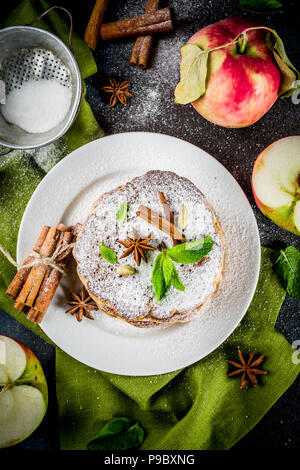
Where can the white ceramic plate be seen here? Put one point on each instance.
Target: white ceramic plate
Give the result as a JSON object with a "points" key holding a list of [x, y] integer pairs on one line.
{"points": [[66, 194]]}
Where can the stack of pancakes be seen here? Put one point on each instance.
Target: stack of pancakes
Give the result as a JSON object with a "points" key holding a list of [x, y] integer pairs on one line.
{"points": [[132, 298]]}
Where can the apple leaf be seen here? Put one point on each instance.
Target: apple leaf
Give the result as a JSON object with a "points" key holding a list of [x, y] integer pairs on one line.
{"points": [[118, 434], [288, 269], [289, 73], [193, 72], [262, 7]]}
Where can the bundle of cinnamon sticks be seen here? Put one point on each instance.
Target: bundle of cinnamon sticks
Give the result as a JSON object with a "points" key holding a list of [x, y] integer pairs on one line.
{"points": [[154, 20], [33, 287]]}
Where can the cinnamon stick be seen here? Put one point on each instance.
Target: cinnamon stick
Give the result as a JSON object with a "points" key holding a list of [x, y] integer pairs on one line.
{"points": [[35, 278], [159, 222], [92, 32], [65, 228], [19, 280], [49, 284], [143, 44], [33, 315], [21, 307], [168, 213], [149, 23]]}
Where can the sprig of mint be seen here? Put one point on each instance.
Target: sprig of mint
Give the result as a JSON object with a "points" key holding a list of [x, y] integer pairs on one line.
{"points": [[194, 67], [108, 254], [122, 212], [288, 269], [262, 7], [164, 273], [118, 434]]}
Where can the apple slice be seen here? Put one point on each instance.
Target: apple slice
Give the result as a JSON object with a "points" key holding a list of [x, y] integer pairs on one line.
{"points": [[13, 358], [22, 409], [276, 183], [6, 406], [23, 392]]}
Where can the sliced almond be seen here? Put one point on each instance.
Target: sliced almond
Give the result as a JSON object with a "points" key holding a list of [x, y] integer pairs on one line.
{"points": [[183, 218]]}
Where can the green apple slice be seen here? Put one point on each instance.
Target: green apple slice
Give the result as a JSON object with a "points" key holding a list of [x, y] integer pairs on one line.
{"points": [[22, 409], [12, 360], [297, 216], [23, 391], [3, 376], [6, 405], [276, 183]]}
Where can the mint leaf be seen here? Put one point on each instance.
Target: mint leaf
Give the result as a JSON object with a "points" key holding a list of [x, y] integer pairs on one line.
{"points": [[118, 434], [158, 278], [122, 212], [288, 269], [108, 254], [171, 275], [262, 6], [193, 72], [288, 71], [176, 281], [191, 252], [164, 275], [168, 268]]}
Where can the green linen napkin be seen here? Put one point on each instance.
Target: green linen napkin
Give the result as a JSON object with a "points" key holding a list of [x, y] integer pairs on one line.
{"points": [[195, 408]]}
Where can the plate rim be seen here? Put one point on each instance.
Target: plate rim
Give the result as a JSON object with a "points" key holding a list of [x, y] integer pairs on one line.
{"points": [[64, 161]]}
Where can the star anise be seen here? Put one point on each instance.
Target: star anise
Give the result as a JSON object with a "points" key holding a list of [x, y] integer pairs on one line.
{"points": [[248, 369], [137, 246], [118, 91], [82, 305]]}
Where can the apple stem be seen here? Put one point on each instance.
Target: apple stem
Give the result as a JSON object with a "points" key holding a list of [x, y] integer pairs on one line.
{"points": [[240, 40], [241, 45]]}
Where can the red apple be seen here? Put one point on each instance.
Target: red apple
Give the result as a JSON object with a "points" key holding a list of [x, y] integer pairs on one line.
{"points": [[23, 392], [240, 87], [276, 183]]}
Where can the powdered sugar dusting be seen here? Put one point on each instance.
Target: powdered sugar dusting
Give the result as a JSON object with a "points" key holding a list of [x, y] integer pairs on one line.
{"points": [[133, 296]]}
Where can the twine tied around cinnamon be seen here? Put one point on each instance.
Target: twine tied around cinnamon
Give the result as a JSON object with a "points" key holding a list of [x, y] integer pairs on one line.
{"points": [[60, 252]]}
